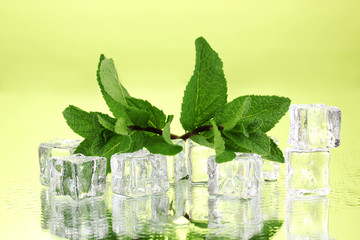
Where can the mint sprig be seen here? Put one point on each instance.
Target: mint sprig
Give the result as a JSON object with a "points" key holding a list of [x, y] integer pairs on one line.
{"points": [[207, 118]]}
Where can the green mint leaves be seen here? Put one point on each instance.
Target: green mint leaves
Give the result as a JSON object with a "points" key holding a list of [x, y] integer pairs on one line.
{"points": [[206, 91], [207, 118]]}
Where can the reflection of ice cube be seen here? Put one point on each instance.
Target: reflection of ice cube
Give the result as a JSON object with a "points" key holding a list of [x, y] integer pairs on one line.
{"points": [[197, 156], [270, 169], [54, 148], [78, 219], [234, 219], [240, 177], [314, 126], [177, 166], [307, 218], [137, 217], [138, 174], [198, 203], [182, 192], [270, 201], [307, 171], [45, 199], [78, 176]]}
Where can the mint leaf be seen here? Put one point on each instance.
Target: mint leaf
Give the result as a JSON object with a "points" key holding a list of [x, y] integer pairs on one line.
{"points": [[202, 140], [156, 116], [137, 141], [166, 132], [219, 144], [230, 113], [110, 81], [222, 155], [276, 154], [107, 147], [269, 109], [239, 128], [232, 146], [138, 117], [106, 121], [84, 147], [254, 126], [225, 156], [257, 142], [121, 127], [158, 145], [83, 123], [115, 107], [206, 91]]}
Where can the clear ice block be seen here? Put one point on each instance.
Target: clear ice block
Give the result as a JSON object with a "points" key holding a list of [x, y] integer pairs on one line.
{"points": [[314, 126], [177, 166], [54, 148], [239, 178], [307, 218], [270, 169], [197, 156], [234, 219], [307, 171], [134, 218], [85, 219], [77, 176], [138, 174]]}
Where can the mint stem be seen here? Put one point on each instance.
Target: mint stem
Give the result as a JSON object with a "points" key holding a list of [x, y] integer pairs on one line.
{"points": [[173, 136]]}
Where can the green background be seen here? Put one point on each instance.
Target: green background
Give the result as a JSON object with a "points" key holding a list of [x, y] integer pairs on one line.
{"points": [[306, 50]]}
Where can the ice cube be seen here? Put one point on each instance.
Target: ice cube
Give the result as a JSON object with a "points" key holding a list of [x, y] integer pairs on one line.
{"points": [[135, 217], [177, 166], [307, 218], [197, 156], [85, 219], [239, 178], [138, 174], [307, 171], [314, 126], [77, 176], [234, 219], [54, 148], [270, 169]]}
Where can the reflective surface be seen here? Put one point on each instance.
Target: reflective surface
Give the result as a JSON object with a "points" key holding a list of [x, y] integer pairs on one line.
{"points": [[186, 211]]}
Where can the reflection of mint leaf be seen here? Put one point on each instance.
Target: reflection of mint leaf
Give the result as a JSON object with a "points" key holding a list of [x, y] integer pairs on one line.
{"points": [[156, 116], [110, 81], [269, 109], [206, 91], [229, 114], [83, 123], [157, 144], [269, 229], [257, 142]]}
